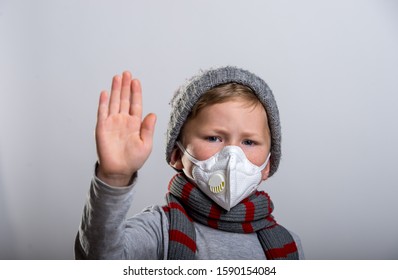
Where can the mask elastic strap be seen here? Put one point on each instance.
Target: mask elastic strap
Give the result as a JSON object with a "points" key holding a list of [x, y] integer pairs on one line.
{"points": [[191, 158], [266, 161]]}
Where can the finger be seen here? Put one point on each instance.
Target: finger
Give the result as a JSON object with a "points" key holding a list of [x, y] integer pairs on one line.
{"points": [[148, 129], [103, 106], [136, 99], [126, 92], [114, 103]]}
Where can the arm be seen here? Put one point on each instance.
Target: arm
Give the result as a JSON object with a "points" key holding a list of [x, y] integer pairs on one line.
{"points": [[105, 233], [124, 142]]}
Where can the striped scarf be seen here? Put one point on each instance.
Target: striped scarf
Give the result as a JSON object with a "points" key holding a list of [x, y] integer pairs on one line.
{"points": [[187, 203]]}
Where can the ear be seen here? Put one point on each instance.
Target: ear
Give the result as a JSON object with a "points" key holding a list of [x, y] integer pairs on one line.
{"points": [[265, 172], [175, 159]]}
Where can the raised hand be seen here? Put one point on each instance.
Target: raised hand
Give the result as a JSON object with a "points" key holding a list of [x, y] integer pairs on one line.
{"points": [[124, 140]]}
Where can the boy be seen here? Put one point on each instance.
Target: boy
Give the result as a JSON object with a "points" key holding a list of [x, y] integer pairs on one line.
{"points": [[223, 139]]}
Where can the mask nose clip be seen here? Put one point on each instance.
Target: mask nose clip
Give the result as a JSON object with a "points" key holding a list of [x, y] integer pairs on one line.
{"points": [[217, 183]]}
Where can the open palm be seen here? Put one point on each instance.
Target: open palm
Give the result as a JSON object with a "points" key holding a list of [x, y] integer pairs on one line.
{"points": [[124, 140]]}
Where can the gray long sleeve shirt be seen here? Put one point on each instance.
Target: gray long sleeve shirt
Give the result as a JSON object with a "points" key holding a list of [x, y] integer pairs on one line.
{"points": [[106, 233]]}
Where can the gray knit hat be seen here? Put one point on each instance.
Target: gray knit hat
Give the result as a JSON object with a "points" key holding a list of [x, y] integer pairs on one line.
{"points": [[189, 93]]}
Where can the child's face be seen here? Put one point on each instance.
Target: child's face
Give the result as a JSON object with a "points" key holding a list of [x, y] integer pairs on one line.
{"points": [[225, 124]]}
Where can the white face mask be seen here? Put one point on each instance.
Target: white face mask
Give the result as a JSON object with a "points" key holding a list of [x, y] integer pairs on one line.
{"points": [[228, 177]]}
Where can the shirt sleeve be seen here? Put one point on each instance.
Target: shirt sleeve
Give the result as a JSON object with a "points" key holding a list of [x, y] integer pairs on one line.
{"points": [[105, 233]]}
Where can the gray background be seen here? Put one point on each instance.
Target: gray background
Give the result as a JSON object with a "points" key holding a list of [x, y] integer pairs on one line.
{"points": [[332, 65]]}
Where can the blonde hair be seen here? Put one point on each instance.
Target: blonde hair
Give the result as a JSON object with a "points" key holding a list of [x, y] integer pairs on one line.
{"points": [[224, 93]]}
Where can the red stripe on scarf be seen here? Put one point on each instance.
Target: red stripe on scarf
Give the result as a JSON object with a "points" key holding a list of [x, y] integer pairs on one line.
{"points": [[247, 226], [178, 236], [258, 193], [214, 215], [177, 206], [186, 191], [171, 181], [245, 200], [281, 252], [271, 220]]}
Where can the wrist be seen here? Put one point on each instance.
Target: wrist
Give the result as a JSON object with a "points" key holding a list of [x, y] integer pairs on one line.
{"points": [[114, 180]]}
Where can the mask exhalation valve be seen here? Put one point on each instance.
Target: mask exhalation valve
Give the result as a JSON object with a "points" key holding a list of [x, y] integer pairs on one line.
{"points": [[216, 183]]}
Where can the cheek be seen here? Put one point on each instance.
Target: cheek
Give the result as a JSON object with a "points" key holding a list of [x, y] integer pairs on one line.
{"points": [[203, 151], [256, 157]]}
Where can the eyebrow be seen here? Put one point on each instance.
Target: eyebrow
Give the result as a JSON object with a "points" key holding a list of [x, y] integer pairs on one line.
{"points": [[245, 134]]}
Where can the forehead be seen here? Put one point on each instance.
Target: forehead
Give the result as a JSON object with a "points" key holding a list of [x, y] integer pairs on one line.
{"points": [[230, 117]]}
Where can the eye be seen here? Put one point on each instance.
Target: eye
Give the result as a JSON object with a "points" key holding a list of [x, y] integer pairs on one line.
{"points": [[248, 142], [213, 139]]}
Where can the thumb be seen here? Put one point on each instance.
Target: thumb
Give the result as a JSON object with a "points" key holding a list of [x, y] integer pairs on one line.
{"points": [[148, 129]]}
